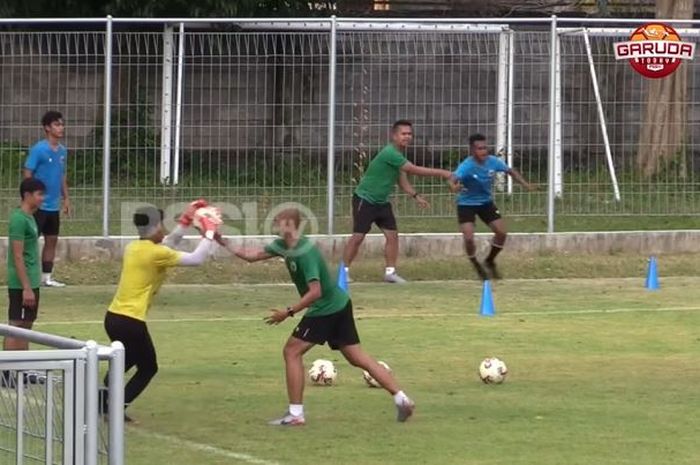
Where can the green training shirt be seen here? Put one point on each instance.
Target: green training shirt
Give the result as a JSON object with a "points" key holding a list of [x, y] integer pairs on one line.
{"points": [[382, 173], [23, 228], [305, 264]]}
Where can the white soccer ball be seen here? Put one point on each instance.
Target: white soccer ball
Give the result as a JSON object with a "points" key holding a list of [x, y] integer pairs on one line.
{"points": [[212, 213], [493, 371], [371, 382], [323, 373]]}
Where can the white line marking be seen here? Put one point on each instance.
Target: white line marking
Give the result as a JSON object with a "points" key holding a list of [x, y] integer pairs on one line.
{"points": [[372, 316], [207, 448]]}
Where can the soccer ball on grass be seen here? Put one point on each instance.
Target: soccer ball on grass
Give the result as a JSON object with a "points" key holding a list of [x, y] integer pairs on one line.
{"points": [[371, 382], [323, 373], [493, 371]]}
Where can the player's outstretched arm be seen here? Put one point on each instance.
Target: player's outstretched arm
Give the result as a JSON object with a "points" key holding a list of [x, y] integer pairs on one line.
{"points": [[407, 187], [312, 295], [521, 180], [410, 168], [454, 184], [199, 255], [250, 255]]}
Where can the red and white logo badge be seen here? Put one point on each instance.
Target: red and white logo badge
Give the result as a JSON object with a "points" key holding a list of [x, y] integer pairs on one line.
{"points": [[654, 50]]}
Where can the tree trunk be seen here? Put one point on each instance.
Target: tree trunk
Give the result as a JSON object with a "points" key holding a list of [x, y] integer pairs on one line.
{"points": [[665, 118]]}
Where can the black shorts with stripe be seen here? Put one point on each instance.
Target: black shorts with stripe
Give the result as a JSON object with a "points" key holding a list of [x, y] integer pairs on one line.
{"points": [[364, 213], [337, 329]]}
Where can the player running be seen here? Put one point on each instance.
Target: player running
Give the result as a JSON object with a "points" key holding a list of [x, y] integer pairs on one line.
{"points": [[144, 269], [370, 202], [329, 317], [473, 179]]}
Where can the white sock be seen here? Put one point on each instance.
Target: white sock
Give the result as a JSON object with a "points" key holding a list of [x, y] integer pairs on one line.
{"points": [[389, 270], [46, 277], [401, 398], [296, 410]]}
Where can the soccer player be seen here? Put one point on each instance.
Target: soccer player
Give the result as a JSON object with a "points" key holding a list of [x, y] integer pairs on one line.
{"points": [[328, 317], [473, 180], [370, 203], [23, 272], [144, 269], [47, 162]]}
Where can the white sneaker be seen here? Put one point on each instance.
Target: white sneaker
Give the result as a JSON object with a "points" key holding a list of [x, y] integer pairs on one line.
{"points": [[405, 410], [394, 278], [52, 283], [289, 420]]}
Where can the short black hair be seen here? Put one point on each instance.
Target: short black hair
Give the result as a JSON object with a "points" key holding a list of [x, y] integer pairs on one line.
{"points": [[399, 123], [147, 218], [49, 117], [29, 186], [476, 138]]}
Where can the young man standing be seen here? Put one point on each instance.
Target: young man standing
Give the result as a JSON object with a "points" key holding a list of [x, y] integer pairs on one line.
{"points": [[473, 180], [144, 269], [47, 162], [23, 272], [370, 203], [329, 317]]}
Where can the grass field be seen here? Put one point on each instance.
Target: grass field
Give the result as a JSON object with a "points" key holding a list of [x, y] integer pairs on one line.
{"points": [[601, 372]]}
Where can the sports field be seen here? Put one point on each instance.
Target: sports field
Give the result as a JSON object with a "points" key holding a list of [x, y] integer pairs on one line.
{"points": [[601, 372]]}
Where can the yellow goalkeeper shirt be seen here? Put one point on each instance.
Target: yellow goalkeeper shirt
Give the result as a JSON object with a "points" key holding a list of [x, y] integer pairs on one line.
{"points": [[144, 268]]}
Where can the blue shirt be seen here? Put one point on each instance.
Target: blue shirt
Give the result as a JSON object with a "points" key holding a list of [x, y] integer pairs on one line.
{"points": [[477, 179], [49, 167]]}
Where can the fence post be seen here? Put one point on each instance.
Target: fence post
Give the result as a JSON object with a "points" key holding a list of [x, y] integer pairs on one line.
{"points": [[331, 125], [107, 132], [166, 105], [502, 104], [552, 124], [92, 372], [178, 101], [116, 404]]}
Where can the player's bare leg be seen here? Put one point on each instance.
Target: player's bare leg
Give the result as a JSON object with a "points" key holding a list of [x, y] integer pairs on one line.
{"points": [[351, 249], [48, 255], [293, 353], [359, 358], [470, 249], [391, 256], [499, 240]]}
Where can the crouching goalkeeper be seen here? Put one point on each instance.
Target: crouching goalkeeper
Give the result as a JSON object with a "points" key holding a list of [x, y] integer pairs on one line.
{"points": [[144, 268]]}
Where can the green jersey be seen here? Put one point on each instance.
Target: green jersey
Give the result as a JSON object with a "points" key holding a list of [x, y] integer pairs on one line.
{"points": [[23, 228], [382, 173], [305, 264]]}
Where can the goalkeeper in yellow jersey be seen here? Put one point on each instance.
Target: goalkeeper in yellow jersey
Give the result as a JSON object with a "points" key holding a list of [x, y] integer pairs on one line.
{"points": [[144, 269]]}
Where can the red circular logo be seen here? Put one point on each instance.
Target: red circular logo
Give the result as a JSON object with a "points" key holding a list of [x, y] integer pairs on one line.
{"points": [[655, 39]]}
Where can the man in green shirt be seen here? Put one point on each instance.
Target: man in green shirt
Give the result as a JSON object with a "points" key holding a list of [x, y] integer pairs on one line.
{"points": [[370, 203], [329, 316], [23, 266]]}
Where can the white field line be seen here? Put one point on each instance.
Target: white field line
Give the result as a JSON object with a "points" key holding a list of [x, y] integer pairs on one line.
{"points": [[206, 448], [403, 316]]}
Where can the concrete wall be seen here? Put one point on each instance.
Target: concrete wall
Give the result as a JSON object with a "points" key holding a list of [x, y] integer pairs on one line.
{"points": [[433, 246]]}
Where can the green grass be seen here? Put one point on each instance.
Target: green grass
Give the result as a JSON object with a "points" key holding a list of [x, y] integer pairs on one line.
{"points": [[601, 372]]}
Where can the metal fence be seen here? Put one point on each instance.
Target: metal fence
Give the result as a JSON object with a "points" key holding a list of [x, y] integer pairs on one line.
{"points": [[255, 113], [49, 402]]}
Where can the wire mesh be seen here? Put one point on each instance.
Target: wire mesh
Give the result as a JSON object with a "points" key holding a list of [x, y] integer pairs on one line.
{"points": [[36, 394]]}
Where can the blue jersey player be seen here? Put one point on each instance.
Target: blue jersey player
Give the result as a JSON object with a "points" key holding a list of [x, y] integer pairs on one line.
{"points": [[472, 180]]}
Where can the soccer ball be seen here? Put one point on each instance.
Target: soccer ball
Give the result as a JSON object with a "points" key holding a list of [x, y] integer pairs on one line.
{"points": [[213, 213], [493, 371], [323, 373], [371, 382]]}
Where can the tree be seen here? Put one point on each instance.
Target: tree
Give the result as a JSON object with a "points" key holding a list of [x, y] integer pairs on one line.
{"points": [[162, 8], [663, 131]]}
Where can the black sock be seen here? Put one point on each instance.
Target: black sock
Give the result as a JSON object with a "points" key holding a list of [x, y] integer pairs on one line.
{"points": [[495, 250], [46, 267]]}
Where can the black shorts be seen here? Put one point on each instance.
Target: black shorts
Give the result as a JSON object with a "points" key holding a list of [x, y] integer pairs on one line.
{"points": [[337, 329], [468, 213], [133, 333], [365, 213], [17, 311], [49, 223]]}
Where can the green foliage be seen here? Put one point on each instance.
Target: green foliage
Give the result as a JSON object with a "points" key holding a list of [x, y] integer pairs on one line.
{"points": [[12, 156], [161, 8]]}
